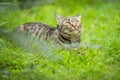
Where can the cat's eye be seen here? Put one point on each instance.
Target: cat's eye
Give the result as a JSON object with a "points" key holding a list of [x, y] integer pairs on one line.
{"points": [[76, 20]]}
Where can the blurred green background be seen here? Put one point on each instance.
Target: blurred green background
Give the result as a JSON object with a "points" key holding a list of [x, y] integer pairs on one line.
{"points": [[99, 58]]}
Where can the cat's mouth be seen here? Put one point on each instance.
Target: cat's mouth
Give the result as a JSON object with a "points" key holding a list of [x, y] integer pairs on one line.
{"points": [[69, 32]]}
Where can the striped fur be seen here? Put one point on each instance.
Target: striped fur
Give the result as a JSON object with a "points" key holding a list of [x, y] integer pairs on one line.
{"points": [[67, 31]]}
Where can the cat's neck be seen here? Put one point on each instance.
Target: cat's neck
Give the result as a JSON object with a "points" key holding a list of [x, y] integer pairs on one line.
{"points": [[65, 39]]}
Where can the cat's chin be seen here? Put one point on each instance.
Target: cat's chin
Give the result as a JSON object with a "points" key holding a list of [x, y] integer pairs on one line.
{"points": [[74, 33]]}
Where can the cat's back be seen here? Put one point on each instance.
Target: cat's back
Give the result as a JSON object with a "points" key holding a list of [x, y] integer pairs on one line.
{"points": [[37, 29], [32, 27]]}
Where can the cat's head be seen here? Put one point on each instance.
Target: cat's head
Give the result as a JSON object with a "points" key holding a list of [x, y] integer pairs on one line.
{"points": [[69, 25]]}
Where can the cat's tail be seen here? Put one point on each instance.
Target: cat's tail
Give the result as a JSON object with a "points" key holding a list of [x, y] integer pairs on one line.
{"points": [[2, 33], [5, 33]]}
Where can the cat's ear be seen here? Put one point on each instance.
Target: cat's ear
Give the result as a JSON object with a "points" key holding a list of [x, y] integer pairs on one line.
{"points": [[58, 18], [78, 16]]}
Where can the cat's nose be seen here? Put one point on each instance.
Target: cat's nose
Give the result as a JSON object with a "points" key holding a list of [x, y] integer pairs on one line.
{"points": [[73, 25]]}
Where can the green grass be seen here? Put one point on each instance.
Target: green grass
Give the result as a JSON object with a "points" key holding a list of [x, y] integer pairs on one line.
{"points": [[99, 58]]}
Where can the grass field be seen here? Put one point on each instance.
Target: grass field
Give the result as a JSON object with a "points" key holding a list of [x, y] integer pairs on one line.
{"points": [[99, 57]]}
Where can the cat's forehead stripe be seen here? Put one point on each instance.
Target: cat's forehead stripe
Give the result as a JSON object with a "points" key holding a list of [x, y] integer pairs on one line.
{"points": [[70, 18]]}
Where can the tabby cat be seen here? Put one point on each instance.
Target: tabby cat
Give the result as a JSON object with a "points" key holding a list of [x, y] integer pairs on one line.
{"points": [[67, 31]]}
